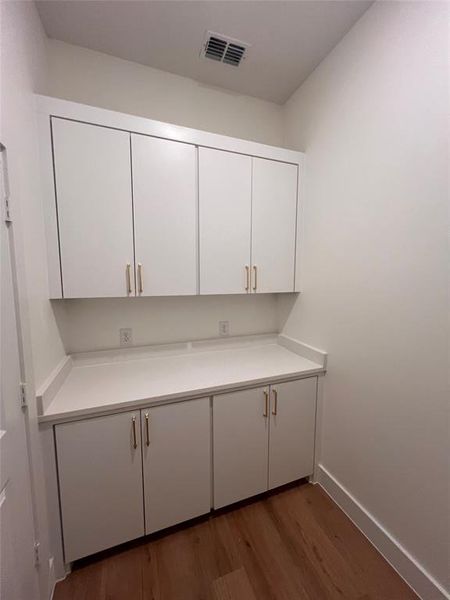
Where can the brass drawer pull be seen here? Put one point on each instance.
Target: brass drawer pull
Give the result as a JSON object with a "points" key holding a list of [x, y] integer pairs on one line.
{"points": [[275, 402], [129, 289], [140, 279], [266, 404], [133, 421], [147, 430], [255, 283], [247, 275]]}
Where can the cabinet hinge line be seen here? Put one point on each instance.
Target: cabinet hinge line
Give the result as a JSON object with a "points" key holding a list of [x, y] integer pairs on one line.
{"points": [[37, 546], [23, 394], [5, 185]]}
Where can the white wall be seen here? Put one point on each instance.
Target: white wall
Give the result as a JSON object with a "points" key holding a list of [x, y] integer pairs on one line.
{"points": [[23, 71], [101, 80], [94, 78], [94, 324], [372, 120]]}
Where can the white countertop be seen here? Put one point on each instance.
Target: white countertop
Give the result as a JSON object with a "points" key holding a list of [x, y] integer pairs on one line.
{"points": [[109, 381]]}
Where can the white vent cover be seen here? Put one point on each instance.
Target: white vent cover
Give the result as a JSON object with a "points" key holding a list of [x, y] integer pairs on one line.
{"points": [[223, 49]]}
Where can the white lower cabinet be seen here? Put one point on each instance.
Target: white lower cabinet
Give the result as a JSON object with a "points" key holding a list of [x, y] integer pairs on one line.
{"points": [[100, 483], [292, 427], [263, 438], [176, 462], [111, 468], [125, 475], [240, 434]]}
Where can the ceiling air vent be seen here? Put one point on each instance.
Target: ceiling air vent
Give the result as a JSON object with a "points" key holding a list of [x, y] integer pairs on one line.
{"points": [[223, 49]]}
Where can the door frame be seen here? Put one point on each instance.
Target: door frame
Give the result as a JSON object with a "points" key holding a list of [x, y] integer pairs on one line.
{"points": [[10, 215]]}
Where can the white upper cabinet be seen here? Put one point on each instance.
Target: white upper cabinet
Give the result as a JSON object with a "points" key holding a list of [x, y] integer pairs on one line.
{"points": [[165, 216], [143, 208], [248, 212], [274, 215], [225, 221], [93, 194]]}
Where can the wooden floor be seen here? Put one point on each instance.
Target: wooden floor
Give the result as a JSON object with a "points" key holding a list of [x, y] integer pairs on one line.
{"points": [[296, 544]]}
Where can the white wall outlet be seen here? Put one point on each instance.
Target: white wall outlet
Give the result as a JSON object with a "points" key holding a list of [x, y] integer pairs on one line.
{"points": [[224, 327], [126, 336]]}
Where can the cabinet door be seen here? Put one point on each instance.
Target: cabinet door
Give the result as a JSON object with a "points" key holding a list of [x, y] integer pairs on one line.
{"points": [[225, 221], [177, 462], [274, 214], [241, 429], [165, 216], [292, 427], [100, 482], [95, 217]]}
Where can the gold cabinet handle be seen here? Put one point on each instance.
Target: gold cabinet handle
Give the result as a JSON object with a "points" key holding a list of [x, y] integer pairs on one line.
{"points": [[129, 288], [266, 404], [133, 422], [140, 279], [147, 430], [255, 272], [247, 278], [275, 402]]}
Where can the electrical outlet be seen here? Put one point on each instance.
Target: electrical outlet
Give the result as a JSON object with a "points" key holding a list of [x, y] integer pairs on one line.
{"points": [[126, 336], [224, 328]]}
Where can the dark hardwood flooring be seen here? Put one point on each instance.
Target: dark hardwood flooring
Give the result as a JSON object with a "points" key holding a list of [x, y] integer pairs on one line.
{"points": [[295, 544]]}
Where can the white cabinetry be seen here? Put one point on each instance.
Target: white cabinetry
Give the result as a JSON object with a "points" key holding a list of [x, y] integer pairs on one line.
{"points": [[159, 459], [94, 208], [165, 216], [141, 208], [248, 215], [176, 462], [241, 427], [274, 216], [100, 482], [263, 438], [111, 467], [292, 427], [225, 187]]}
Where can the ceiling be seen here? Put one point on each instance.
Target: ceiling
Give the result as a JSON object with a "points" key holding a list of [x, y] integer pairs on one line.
{"points": [[288, 38]]}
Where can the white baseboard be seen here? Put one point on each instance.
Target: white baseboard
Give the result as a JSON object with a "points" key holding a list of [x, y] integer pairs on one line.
{"points": [[424, 584]]}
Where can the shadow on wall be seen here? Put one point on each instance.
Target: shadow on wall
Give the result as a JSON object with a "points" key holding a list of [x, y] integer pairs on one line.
{"points": [[93, 324], [285, 305]]}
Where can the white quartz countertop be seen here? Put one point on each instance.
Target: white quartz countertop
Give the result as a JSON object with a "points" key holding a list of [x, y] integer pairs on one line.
{"points": [[108, 382]]}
